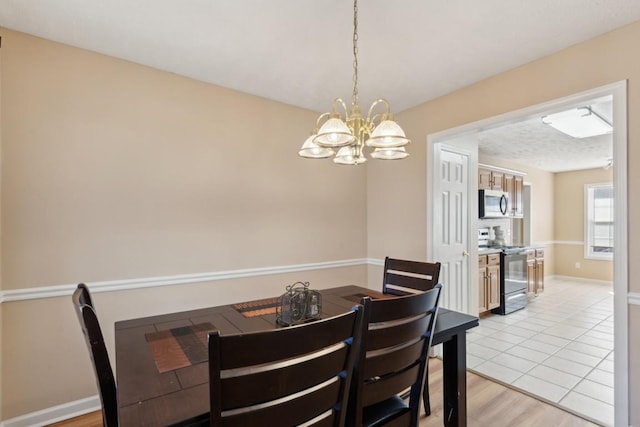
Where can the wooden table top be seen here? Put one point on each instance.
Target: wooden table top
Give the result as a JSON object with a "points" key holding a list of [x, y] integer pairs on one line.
{"points": [[147, 397]]}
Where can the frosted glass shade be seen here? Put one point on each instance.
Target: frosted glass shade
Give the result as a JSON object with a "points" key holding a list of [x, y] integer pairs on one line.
{"points": [[393, 153], [347, 156], [334, 133], [579, 123], [312, 150], [387, 134]]}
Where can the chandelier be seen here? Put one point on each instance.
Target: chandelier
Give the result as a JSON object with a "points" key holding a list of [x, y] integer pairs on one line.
{"points": [[351, 131]]}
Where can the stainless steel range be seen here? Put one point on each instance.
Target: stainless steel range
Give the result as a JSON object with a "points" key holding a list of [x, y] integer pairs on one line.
{"points": [[513, 279]]}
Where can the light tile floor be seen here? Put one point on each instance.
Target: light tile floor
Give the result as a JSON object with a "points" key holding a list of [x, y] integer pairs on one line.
{"points": [[559, 348]]}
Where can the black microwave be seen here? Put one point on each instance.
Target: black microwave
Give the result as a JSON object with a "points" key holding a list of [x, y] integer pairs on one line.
{"points": [[492, 204]]}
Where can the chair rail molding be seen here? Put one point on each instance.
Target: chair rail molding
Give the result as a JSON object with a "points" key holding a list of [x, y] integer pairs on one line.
{"points": [[153, 282], [634, 298], [568, 242]]}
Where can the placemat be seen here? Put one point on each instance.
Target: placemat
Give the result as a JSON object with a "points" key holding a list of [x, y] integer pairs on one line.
{"points": [[179, 347], [373, 294], [256, 308], [266, 306]]}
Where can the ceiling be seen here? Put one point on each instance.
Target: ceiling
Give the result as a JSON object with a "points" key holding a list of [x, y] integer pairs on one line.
{"points": [[299, 51], [531, 142]]}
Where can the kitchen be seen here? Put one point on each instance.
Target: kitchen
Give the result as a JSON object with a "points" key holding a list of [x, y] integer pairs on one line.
{"points": [[540, 335], [510, 269]]}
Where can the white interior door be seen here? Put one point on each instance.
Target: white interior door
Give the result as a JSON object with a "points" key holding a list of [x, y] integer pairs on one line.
{"points": [[450, 222]]}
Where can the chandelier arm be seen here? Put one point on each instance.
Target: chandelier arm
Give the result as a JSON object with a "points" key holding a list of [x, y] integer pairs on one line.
{"points": [[376, 103], [319, 119], [340, 101], [376, 119]]}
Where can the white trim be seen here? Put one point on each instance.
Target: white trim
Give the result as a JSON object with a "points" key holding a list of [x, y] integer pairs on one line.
{"points": [[621, 264], [517, 115], [152, 282], [634, 298], [55, 413], [581, 279], [567, 242], [375, 261]]}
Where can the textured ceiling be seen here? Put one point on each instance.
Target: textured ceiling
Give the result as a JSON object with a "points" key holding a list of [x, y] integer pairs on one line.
{"points": [[531, 142], [299, 51]]}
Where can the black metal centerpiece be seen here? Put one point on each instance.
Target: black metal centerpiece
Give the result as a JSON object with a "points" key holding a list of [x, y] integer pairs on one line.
{"points": [[298, 304]]}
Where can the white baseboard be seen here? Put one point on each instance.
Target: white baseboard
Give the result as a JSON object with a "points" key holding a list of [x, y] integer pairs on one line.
{"points": [[581, 279], [634, 298], [55, 413]]}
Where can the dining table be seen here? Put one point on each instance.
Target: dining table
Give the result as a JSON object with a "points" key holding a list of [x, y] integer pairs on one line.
{"points": [[162, 361]]}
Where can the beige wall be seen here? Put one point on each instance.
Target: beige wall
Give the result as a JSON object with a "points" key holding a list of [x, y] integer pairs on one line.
{"points": [[569, 224], [397, 188], [113, 170]]}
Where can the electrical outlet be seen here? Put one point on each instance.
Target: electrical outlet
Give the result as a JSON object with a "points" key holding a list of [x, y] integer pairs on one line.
{"points": [[577, 265]]}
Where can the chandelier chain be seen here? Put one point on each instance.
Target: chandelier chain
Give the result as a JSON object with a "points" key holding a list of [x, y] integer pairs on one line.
{"points": [[349, 132], [354, 98]]}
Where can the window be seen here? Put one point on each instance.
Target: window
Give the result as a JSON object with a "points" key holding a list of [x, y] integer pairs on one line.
{"points": [[599, 221]]}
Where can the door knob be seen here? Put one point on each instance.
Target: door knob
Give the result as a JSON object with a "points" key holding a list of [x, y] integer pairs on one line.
{"points": [[465, 253]]}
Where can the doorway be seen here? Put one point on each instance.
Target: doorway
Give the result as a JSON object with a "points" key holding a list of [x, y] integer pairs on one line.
{"points": [[469, 132]]}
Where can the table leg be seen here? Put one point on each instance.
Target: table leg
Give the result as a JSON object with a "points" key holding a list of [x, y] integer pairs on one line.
{"points": [[454, 365]]}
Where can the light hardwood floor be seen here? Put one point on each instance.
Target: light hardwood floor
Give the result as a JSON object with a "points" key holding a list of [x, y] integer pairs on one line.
{"points": [[488, 404]]}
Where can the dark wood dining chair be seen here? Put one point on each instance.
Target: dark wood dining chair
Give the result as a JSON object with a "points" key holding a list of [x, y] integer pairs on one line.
{"points": [[397, 334], [403, 277], [84, 296], [284, 377], [98, 351]]}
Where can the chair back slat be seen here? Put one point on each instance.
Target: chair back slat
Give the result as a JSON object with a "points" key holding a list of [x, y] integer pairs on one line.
{"points": [[397, 334], [395, 309], [402, 277], [386, 387], [94, 340], [289, 412], [254, 349], [379, 362], [301, 374], [247, 390]]}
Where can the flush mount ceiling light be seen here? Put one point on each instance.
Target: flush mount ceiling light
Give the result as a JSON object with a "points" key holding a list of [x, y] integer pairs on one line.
{"points": [[350, 132], [580, 122]]}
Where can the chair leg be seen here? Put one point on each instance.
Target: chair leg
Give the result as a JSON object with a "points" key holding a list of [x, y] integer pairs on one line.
{"points": [[425, 394]]}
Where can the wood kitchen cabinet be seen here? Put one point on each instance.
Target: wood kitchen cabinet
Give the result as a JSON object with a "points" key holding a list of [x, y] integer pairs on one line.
{"points": [[539, 270], [535, 272], [488, 282], [511, 182], [513, 185], [490, 179]]}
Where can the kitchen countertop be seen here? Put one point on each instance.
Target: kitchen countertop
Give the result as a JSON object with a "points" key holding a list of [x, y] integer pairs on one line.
{"points": [[487, 251]]}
